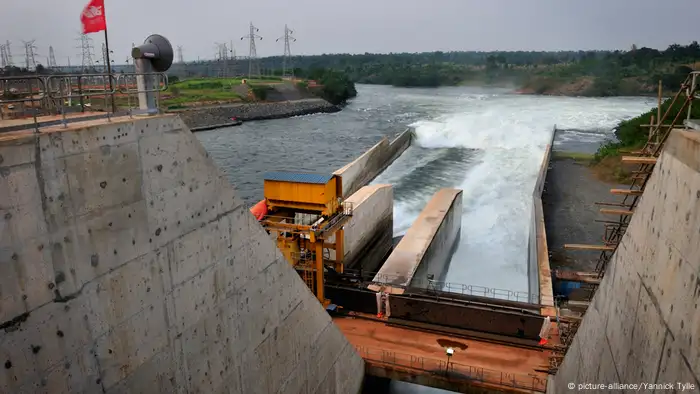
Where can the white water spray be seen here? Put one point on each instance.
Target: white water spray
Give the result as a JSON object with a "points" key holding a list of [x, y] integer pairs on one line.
{"points": [[508, 135]]}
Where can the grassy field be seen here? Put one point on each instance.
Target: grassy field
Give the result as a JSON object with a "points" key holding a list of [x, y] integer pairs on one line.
{"points": [[188, 93], [207, 91]]}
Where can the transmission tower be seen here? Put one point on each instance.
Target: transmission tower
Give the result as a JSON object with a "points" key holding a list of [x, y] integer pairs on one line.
{"points": [[3, 56], [234, 62], [8, 55], [52, 59], [222, 56], [29, 55], [180, 59], [104, 57], [253, 66], [86, 52], [287, 58]]}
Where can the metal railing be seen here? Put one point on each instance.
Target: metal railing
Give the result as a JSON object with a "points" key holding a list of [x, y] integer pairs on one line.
{"points": [[455, 372], [444, 289], [692, 91], [38, 95]]}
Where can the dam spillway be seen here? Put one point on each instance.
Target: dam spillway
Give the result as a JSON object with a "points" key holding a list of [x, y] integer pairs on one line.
{"points": [[129, 264]]}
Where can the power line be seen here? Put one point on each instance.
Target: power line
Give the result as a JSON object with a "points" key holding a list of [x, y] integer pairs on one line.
{"points": [[253, 66], [287, 58]]}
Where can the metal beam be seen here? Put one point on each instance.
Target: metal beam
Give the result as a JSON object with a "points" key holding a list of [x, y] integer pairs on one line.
{"points": [[616, 211], [582, 277], [628, 192], [639, 160], [602, 248]]}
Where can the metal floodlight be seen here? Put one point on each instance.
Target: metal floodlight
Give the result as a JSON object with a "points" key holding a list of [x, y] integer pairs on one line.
{"points": [[154, 55]]}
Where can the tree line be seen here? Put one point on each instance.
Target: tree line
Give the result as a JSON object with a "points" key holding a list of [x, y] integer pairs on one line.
{"points": [[633, 71]]}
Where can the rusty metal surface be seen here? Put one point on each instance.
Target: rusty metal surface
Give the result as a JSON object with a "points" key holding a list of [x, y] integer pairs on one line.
{"points": [[505, 320], [418, 356], [356, 300], [490, 319]]}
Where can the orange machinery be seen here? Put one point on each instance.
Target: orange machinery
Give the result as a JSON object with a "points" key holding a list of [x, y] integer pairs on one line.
{"points": [[306, 213]]}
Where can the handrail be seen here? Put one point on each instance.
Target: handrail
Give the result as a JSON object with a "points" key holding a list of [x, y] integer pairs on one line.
{"points": [[443, 288], [45, 93], [453, 371], [40, 81]]}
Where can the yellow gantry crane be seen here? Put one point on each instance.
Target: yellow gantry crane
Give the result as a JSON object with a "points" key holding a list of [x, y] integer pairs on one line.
{"points": [[306, 213]]}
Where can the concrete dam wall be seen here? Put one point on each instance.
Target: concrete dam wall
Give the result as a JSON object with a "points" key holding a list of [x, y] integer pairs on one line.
{"points": [[128, 264], [426, 247], [539, 271], [368, 234], [643, 324], [365, 168]]}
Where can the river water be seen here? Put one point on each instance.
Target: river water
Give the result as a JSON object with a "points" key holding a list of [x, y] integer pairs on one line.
{"points": [[487, 142]]}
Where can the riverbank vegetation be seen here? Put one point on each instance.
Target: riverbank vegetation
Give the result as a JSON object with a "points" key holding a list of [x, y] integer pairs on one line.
{"points": [[331, 85], [335, 86], [631, 135], [581, 73]]}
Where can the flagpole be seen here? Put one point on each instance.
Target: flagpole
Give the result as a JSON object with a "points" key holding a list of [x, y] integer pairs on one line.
{"points": [[109, 64]]}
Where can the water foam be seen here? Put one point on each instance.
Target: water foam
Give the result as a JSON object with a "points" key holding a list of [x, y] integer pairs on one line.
{"points": [[509, 134]]}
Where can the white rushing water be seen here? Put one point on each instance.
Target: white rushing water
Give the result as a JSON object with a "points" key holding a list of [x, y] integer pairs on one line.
{"points": [[502, 138], [487, 142]]}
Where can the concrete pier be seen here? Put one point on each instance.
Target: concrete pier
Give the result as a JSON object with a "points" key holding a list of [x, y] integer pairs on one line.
{"points": [[426, 247], [365, 168], [368, 234], [643, 324], [539, 271], [128, 264]]}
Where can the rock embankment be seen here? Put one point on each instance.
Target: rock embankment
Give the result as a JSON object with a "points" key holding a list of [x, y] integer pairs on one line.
{"points": [[215, 115]]}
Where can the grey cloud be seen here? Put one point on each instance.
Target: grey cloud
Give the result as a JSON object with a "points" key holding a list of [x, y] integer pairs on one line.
{"points": [[356, 26]]}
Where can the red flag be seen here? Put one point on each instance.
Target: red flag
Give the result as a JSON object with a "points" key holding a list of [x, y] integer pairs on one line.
{"points": [[93, 17]]}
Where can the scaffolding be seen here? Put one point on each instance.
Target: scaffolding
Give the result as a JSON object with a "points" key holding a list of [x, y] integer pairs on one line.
{"points": [[645, 159]]}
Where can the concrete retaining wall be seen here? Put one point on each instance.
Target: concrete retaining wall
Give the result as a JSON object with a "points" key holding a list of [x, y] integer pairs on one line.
{"points": [[365, 168], [214, 115], [436, 260], [368, 234], [643, 324], [425, 248], [539, 273], [128, 264]]}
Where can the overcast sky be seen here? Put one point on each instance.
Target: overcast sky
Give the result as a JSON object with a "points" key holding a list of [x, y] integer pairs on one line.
{"points": [[355, 26]]}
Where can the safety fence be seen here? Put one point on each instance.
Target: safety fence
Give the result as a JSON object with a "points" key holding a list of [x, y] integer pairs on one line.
{"points": [[39, 95], [455, 372], [441, 289]]}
